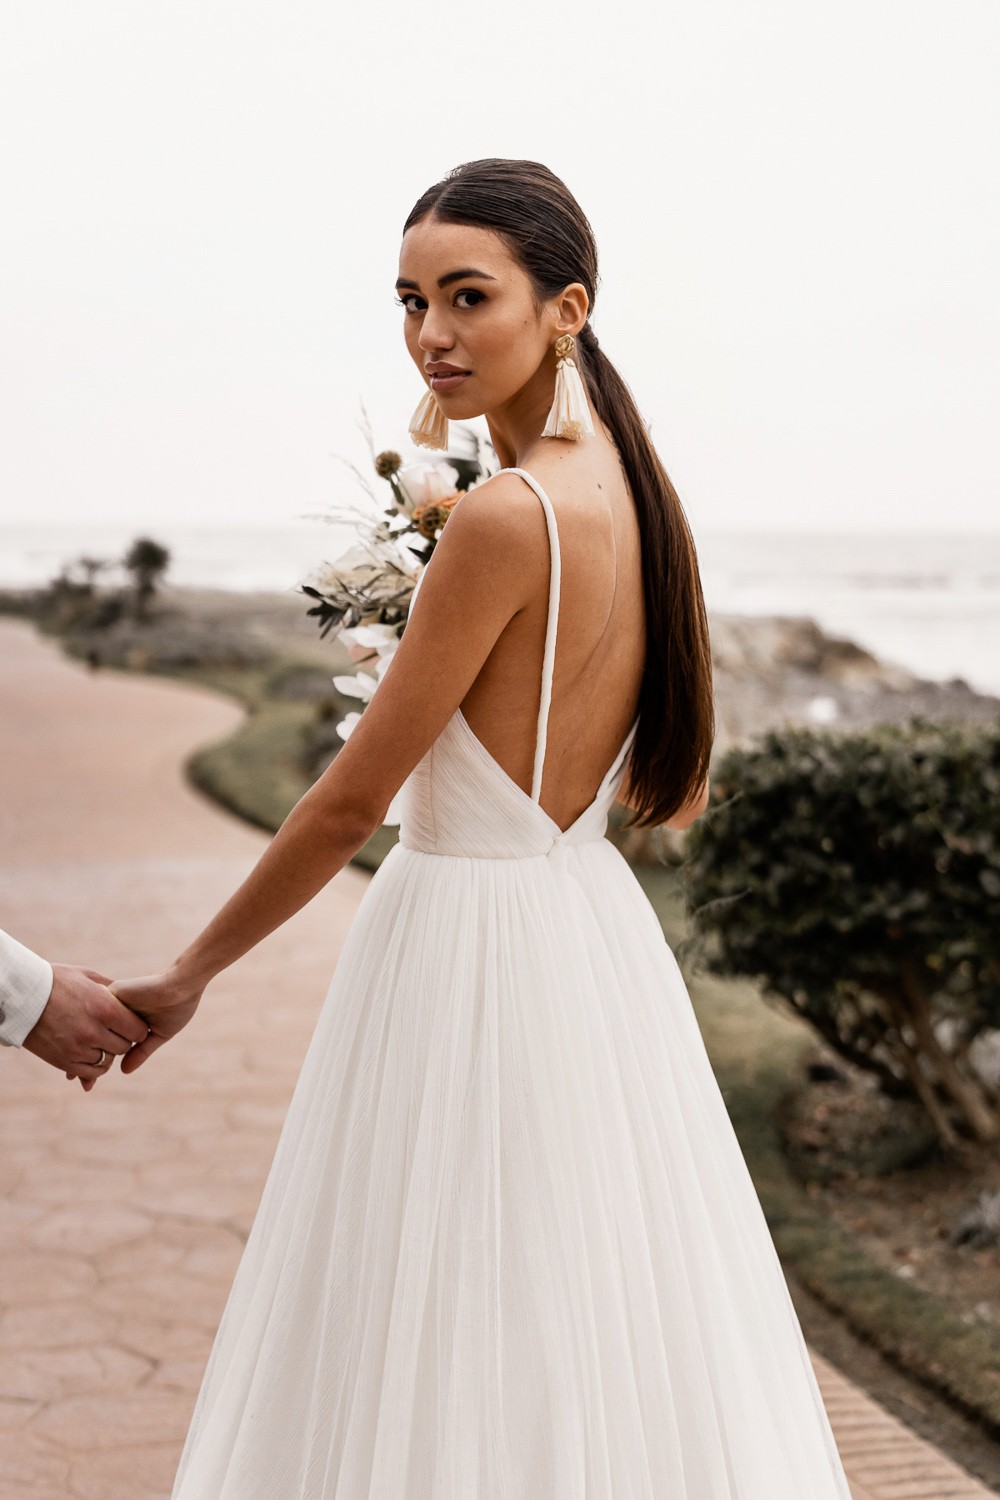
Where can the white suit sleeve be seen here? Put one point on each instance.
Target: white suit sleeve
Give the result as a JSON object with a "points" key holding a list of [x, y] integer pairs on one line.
{"points": [[25, 987]]}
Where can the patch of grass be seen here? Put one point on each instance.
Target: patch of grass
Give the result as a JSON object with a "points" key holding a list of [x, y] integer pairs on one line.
{"points": [[254, 772]]}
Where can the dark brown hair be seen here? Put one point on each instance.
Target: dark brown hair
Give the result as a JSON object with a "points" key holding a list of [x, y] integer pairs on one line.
{"points": [[550, 237]]}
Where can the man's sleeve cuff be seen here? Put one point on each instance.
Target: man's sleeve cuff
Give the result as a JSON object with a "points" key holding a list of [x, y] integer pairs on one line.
{"points": [[24, 996]]}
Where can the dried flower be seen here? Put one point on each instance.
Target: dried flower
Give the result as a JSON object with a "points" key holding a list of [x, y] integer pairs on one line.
{"points": [[430, 518], [387, 464]]}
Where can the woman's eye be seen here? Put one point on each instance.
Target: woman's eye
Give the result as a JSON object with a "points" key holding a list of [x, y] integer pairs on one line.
{"points": [[412, 302]]}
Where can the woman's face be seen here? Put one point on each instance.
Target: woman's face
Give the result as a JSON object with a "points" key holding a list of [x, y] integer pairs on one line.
{"points": [[472, 325]]}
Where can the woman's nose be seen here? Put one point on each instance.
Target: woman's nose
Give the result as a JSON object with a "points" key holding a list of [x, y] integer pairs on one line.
{"points": [[435, 332]]}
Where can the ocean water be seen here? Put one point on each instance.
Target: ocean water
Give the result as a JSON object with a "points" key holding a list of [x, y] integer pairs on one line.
{"points": [[929, 602]]}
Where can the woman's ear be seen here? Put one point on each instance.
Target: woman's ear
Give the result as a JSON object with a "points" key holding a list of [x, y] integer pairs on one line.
{"points": [[571, 308]]}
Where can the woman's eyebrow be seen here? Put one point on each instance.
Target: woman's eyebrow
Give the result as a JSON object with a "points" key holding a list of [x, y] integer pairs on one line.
{"points": [[443, 281]]}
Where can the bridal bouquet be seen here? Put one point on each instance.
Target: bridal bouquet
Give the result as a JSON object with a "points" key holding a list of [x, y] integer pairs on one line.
{"points": [[364, 595]]}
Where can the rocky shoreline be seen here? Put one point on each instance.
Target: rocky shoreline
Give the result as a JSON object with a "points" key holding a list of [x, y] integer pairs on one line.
{"points": [[776, 670], [771, 671]]}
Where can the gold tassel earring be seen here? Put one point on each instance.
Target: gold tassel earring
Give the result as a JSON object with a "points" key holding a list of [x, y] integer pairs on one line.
{"points": [[429, 425], [570, 413]]}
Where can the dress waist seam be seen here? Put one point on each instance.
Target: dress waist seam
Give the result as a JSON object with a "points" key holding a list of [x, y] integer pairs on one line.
{"points": [[501, 858]]}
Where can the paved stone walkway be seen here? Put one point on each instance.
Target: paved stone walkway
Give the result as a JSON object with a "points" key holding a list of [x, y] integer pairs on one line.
{"points": [[123, 1212]]}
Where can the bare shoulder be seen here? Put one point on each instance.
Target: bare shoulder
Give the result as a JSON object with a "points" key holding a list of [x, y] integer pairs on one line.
{"points": [[495, 531], [499, 504], [487, 559], [499, 527]]}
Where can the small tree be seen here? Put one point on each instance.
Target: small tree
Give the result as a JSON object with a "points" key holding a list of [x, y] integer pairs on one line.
{"points": [[84, 571], [147, 562], [858, 878]]}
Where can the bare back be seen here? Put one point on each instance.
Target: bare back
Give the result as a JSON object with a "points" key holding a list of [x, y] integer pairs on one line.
{"points": [[600, 639]]}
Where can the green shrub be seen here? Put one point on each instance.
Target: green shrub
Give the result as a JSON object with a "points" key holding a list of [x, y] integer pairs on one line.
{"points": [[858, 877]]}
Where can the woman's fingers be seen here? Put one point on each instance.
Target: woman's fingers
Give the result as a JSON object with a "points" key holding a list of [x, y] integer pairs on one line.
{"points": [[137, 1055], [122, 1023], [113, 1044], [113, 1041]]}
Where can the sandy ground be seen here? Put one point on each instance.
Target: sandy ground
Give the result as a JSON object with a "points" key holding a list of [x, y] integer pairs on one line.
{"points": [[123, 1212]]}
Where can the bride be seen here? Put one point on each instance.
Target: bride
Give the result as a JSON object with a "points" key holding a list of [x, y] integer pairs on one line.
{"points": [[508, 1247]]}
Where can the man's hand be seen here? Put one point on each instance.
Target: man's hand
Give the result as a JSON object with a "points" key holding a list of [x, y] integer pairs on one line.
{"points": [[165, 1002], [80, 1018]]}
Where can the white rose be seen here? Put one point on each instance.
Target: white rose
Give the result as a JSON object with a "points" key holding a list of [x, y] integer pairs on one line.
{"points": [[426, 484]]}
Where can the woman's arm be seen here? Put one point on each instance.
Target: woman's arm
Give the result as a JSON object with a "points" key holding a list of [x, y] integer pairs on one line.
{"points": [[484, 569]]}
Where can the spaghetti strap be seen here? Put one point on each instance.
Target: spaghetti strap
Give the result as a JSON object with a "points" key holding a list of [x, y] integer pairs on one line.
{"points": [[551, 625]]}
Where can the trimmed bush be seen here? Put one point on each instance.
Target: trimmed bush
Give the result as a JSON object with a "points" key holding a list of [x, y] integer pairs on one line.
{"points": [[857, 877]]}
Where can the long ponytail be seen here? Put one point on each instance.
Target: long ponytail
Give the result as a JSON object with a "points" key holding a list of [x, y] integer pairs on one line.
{"points": [[673, 743], [549, 235]]}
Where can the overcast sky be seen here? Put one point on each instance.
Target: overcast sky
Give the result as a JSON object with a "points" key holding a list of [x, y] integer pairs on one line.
{"points": [[796, 208]]}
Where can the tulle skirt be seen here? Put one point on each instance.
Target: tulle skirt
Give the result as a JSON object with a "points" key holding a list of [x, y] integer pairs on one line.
{"points": [[508, 1248]]}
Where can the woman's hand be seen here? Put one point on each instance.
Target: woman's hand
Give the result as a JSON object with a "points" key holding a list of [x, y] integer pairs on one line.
{"points": [[166, 1002]]}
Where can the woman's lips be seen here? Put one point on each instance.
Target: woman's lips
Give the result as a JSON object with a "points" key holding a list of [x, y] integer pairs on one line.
{"points": [[448, 380]]}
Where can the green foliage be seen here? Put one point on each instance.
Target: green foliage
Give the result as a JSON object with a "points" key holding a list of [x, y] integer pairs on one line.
{"points": [[759, 1055], [858, 877], [72, 600], [147, 561], [254, 771]]}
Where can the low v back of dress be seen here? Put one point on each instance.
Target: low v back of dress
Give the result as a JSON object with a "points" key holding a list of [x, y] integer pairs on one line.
{"points": [[460, 800], [508, 1247]]}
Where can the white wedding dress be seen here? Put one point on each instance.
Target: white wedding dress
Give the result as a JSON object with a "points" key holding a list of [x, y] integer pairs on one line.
{"points": [[508, 1248]]}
